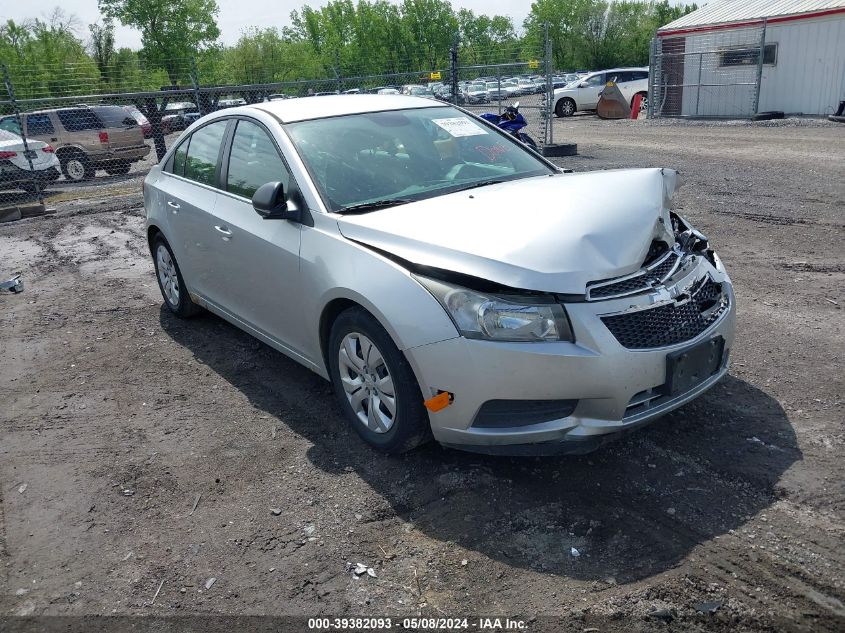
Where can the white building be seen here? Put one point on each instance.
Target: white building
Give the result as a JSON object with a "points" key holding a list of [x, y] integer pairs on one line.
{"points": [[707, 62]]}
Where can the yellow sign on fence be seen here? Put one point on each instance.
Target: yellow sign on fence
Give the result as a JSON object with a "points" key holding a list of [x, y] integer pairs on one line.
{"points": [[533, 63], [434, 76]]}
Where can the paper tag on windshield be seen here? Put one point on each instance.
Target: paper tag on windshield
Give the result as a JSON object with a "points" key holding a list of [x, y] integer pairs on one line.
{"points": [[460, 126]]}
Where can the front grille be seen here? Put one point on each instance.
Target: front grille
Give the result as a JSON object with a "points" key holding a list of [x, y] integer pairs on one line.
{"points": [[642, 281], [670, 324]]}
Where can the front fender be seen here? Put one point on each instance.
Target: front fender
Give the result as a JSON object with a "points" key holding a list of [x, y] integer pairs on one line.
{"points": [[334, 267]]}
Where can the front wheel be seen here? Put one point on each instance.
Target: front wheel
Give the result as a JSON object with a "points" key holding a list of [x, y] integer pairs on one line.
{"points": [[527, 140], [170, 281], [375, 385], [565, 107]]}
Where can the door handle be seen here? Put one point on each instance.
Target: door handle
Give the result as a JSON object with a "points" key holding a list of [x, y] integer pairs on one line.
{"points": [[173, 206], [224, 230]]}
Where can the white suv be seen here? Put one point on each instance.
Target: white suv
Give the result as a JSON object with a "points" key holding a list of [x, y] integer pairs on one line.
{"points": [[584, 93]]}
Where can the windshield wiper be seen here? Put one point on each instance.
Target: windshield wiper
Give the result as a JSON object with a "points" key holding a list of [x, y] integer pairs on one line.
{"points": [[364, 207], [480, 183]]}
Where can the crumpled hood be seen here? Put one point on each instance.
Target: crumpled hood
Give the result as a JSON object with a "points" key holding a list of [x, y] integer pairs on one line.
{"points": [[550, 233]]}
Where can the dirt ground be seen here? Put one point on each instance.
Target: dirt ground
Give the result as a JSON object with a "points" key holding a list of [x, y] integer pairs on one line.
{"points": [[142, 453]]}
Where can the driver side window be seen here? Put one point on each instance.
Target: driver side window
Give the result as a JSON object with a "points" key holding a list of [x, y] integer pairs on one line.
{"points": [[254, 161], [595, 81]]}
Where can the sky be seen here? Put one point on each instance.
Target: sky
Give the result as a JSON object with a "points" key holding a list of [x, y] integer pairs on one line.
{"points": [[235, 15]]}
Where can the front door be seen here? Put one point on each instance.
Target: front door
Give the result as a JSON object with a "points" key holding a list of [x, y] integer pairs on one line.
{"points": [[588, 96], [256, 275]]}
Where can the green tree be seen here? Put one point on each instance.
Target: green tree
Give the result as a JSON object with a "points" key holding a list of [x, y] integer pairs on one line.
{"points": [[172, 31], [102, 46]]}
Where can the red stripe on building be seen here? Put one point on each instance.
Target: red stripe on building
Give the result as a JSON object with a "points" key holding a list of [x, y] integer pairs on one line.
{"points": [[739, 25]]}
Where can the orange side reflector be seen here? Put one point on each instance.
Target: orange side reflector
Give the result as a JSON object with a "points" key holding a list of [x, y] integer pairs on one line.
{"points": [[438, 402]]}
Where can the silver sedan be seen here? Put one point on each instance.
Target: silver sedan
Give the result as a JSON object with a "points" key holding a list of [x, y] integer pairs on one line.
{"points": [[447, 280]]}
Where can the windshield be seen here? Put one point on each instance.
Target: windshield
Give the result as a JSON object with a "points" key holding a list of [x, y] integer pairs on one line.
{"points": [[406, 155]]}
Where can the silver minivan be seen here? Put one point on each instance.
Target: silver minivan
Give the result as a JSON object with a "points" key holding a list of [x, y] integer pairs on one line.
{"points": [[450, 282]]}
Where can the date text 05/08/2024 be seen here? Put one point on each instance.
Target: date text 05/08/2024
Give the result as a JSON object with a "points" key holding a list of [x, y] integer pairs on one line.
{"points": [[417, 623]]}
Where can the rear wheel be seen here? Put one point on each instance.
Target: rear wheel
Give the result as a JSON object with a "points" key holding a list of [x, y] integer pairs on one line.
{"points": [[77, 167], [375, 385], [565, 107], [170, 281], [643, 101]]}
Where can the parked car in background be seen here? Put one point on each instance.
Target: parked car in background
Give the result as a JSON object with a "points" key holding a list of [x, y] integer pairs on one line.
{"points": [[388, 91], [415, 90], [526, 86], [583, 94], [142, 120], [86, 138], [398, 272], [173, 119], [21, 167], [496, 91], [230, 103], [477, 93]]}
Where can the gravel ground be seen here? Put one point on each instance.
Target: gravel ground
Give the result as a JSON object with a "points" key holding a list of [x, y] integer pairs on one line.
{"points": [[141, 453]]}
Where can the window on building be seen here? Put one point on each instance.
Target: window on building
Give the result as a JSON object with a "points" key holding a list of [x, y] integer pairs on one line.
{"points": [[746, 56]]}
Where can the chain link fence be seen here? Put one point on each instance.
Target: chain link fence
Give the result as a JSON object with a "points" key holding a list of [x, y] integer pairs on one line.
{"points": [[66, 131], [708, 75]]}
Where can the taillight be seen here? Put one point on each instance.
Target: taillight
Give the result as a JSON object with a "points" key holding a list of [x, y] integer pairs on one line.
{"points": [[48, 148], [7, 155], [104, 137]]}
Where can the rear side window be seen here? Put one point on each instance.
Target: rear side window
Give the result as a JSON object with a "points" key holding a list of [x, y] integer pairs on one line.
{"points": [[253, 161], [10, 124], [79, 119], [39, 124], [203, 153], [114, 116]]}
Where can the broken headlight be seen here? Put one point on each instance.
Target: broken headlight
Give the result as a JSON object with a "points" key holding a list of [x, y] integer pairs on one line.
{"points": [[501, 318]]}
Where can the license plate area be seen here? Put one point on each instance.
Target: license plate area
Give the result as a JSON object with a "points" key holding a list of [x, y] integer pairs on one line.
{"points": [[30, 154], [689, 367]]}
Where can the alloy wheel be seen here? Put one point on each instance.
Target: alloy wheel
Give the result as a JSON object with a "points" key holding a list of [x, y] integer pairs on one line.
{"points": [[367, 382], [167, 275]]}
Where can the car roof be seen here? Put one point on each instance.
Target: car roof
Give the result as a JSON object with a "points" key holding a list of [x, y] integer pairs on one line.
{"points": [[616, 70], [306, 108]]}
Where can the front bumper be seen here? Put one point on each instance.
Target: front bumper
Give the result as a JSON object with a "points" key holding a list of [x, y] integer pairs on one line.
{"points": [[617, 388]]}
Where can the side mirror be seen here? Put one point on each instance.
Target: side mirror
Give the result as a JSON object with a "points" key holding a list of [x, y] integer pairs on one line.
{"points": [[583, 84], [270, 203]]}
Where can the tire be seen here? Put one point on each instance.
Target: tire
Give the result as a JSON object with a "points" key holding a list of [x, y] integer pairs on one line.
{"points": [[118, 169], [77, 167], [170, 281], [643, 102], [528, 140], [565, 107], [363, 381]]}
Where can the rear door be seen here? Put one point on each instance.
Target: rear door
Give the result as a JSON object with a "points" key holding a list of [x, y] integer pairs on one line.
{"points": [[80, 127], [257, 264], [189, 187]]}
